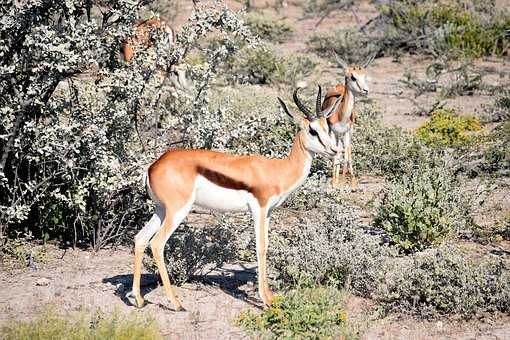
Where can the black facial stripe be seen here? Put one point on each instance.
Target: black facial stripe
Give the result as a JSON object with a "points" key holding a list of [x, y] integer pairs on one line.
{"points": [[320, 141]]}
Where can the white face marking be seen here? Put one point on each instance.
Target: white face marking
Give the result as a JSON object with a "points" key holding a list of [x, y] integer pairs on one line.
{"points": [[358, 83], [212, 196], [318, 139]]}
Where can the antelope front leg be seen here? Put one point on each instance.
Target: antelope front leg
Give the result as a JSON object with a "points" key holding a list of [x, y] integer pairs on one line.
{"points": [[354, 180], [347, 148], [261, 233], [337, 160], [336, 168]]}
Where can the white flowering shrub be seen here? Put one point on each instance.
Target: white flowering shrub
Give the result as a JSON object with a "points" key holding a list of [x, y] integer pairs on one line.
{"points": [[78, 126]]}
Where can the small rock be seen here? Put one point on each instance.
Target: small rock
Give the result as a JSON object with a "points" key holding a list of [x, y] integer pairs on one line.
{"points": [[42, 282]]}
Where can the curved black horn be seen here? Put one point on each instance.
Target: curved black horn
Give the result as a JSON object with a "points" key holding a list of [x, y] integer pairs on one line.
{"points": [[300, 105], [318, 102]]}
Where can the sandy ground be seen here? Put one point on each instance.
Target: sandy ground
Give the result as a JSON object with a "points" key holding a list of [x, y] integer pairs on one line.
{"points": [[76, 280]]}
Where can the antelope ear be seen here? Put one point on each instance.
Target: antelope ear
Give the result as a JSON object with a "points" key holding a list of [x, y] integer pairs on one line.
{"points": [[296, 118], [332, 109], [369, 60]]}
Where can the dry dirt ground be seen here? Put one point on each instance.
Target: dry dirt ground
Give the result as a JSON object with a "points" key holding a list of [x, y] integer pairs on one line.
{"points": [[76, 280]]}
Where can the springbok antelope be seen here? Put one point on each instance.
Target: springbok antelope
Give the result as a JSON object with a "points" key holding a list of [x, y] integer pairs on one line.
{"points": [[143, 39], [343, 118], [222, 182]]}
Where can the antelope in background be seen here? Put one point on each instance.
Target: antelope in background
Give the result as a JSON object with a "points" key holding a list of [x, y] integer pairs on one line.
{"points": [[222, 182], [143, 39], [343, 118]]}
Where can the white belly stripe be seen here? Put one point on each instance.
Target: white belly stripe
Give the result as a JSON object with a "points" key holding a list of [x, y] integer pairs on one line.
{"points": [[212, 196]]}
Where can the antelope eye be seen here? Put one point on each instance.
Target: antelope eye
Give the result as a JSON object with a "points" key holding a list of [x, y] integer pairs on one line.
{"points": [[353, 78], [313, 132]]}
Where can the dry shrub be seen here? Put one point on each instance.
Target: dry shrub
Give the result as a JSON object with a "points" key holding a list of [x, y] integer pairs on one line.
{"points": [[349, 44], [448, 79], [269, 27], [383, 150], [195, 250], [328, 246], [445, 281], [268, 64]]}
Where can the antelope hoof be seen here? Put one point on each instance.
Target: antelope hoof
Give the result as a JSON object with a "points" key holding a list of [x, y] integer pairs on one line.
{"points": [[268, 298], [139, 302], [340, 183]]}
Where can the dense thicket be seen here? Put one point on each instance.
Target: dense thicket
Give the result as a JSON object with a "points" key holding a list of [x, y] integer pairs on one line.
{"points": [[78, 126]]}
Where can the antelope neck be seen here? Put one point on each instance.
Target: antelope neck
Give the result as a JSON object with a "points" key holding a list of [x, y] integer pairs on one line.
{"points": [[296, 166], [347, 103]]}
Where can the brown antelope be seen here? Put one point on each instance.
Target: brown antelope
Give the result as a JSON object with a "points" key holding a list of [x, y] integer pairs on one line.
{"points": [[143, 39], [343, 118], [222, 182]]}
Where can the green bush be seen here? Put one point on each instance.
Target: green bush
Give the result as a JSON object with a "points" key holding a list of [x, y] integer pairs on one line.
{"points": [[423, 207], [269, 27], [454, 28], [383, 150], [267, 65], [446, 128], [444, 282], [100, 326], [248, 121], [495, 156], [78, 130], [348, 44], [465, 32], [309, 313]]}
